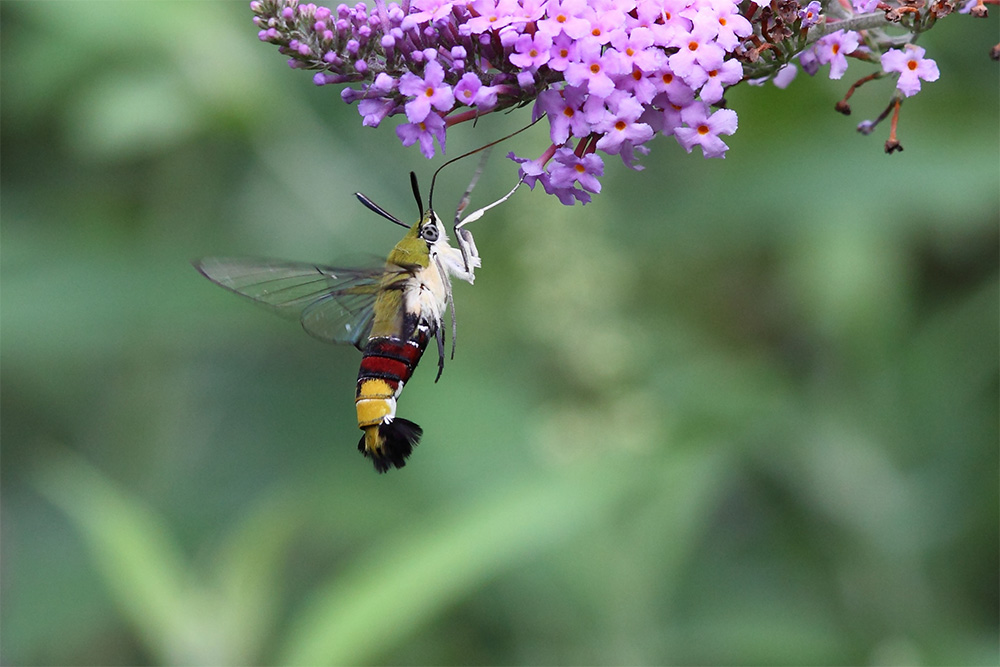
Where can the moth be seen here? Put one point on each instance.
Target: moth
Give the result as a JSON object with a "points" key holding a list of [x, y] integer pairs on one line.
{"points": [[389, 312]]}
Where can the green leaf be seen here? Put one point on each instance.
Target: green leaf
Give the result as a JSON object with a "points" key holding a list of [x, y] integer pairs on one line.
{"points": [[372, 607], [139, 560]]}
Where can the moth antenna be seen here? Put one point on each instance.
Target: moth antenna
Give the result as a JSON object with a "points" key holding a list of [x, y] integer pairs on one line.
{"points": [[416, 195], [375, 208], [473, 152]]}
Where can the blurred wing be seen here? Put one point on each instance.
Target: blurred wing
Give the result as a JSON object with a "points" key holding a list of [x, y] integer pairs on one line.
{"points": [[334, 305], [341, 317]]}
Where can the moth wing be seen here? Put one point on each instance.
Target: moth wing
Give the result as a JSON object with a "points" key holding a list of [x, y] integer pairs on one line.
{"points": [[333, 305], [341, 317]]}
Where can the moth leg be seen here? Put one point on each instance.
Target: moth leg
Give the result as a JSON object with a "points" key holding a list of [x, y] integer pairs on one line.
{"points": [[470, 255], [446, 271], [452, 262], [439, 335], [467, 195]]}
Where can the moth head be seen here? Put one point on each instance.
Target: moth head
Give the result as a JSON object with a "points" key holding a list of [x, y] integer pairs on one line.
{"points": [[430, 228]]}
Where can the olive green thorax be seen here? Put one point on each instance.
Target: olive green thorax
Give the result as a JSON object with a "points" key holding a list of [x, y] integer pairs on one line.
{"points": [[412, 250], [411, 253]]}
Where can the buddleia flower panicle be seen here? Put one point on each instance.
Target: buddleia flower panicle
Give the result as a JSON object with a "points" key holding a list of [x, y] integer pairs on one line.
{"points": [[609, 76]]}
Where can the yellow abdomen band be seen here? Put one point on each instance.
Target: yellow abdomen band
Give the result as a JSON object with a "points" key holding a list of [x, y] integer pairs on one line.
{"points": [[374, 402]]}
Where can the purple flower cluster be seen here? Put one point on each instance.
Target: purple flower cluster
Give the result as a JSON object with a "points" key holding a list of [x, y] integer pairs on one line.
{"points": [[608, 75], [832, 32], [834, 48]]}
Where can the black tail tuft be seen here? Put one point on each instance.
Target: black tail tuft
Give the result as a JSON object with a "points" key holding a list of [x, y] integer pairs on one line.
{"points": [[399, 437]]}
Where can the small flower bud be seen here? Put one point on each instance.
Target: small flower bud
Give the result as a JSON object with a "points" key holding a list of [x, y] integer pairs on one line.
{"points": [[323, 78]]}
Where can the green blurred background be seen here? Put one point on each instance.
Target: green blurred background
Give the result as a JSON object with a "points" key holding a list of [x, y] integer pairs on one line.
{"points": [[737, 411]]}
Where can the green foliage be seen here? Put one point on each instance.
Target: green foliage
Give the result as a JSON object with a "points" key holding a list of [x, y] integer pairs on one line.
{"points": [[733, 412]]}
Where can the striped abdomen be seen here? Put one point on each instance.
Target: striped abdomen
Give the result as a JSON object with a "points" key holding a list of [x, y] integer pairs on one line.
{"points": [[387, 364]]}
